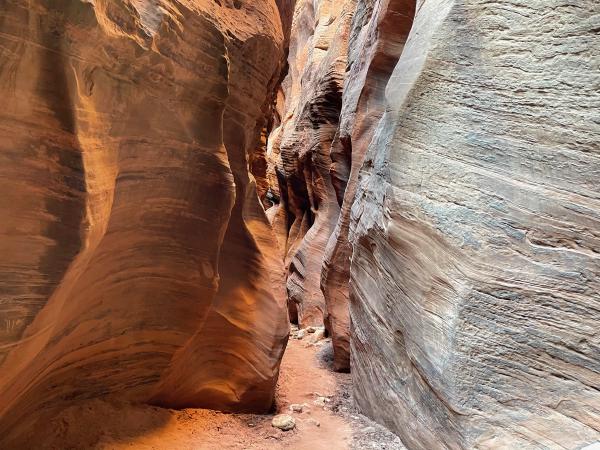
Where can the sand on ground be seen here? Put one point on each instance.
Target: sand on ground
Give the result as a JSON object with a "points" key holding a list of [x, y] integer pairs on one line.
{"points": [[328, 420]]}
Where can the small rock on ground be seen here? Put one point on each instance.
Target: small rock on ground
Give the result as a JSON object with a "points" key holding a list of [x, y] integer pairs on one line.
{"points": [[318, 335], [284, 422], [296, 408]]}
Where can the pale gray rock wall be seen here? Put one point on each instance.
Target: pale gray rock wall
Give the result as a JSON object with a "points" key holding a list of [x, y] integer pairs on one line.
{"points": [[379, 31], [476, 228]]}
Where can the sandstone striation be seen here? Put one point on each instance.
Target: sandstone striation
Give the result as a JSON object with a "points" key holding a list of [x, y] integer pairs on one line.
{"points": [[476, 231], [341, 57], [378, 34], [299, 150], [136, 257], [422, 177]]}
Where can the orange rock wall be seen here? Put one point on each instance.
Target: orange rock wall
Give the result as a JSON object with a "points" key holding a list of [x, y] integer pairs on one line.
{"points": [[299, 150], [341, 57], [136, 257]]}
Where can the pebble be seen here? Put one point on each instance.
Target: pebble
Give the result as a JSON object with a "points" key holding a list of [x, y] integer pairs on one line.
{"points": [[296, 408], [301, 334], [318, 335], [320, 401], [284, 422], [314, 422]]}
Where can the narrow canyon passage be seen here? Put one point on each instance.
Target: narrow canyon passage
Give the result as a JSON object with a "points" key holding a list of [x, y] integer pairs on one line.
{"points": [[300, 224], [327, 421]]}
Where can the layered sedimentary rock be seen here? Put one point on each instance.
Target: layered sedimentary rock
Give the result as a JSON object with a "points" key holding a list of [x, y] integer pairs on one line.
{"points": [[299, 150], [476, 231], [136, 257], [379, 31], [341, 57], [442, 174]]}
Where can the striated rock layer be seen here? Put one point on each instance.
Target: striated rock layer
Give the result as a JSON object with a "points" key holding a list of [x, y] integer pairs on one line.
{"points": [[476, 229], [433, 165], [341, 56], [299, 150], [379, 31], [136, 257]]}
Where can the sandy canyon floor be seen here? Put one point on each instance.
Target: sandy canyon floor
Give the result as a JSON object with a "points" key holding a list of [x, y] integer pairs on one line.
{"points": [[328, 420]]}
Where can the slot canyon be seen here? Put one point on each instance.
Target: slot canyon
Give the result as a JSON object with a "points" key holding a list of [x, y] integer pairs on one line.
{"points": [[300, 224]]}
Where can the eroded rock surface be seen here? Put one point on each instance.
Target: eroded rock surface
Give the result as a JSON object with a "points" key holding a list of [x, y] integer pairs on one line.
{"points": [[136, 257], [476, 231], [434, 163], [379, 31], [306, 202], [341, 56]]}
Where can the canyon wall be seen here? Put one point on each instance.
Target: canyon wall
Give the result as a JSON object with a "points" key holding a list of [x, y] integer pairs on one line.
{"points": [[446, 182], [299, 150], [425, 180], [341, 56], [379, 31], [136, 257], [475, 275]]}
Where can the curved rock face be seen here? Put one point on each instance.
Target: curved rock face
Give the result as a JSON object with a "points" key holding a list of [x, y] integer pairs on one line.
{"points": [[299, 150], [341, 56], [379, 31], [476, 231], [434, 165], [136, 257]]}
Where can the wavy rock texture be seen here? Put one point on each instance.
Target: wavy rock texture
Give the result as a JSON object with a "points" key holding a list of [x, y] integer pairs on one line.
{"points": [[341, 56], [476, 231], [136, 258], [306, 206], [433, 164], [379, 31]]}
